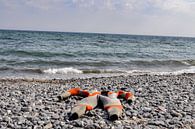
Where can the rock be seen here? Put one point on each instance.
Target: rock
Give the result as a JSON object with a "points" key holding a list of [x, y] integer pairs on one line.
{"points": [[139, 89], [147, 109], [94, 126], [187, 120], [48, 126], [41, 122], [6, 119], [175, 114], [55, 116], [119, 127], [102, 123], [37, 127], [193, 126], [62, 123], [175, 122], [161, 108], [10, 125], [118, 122], [168, 116], [147, 115], [128, 127], [134, 117], [9, 111], [157, 123], [78, 123], [57, 127], [128, 113], [66, 126], [26, 109]]}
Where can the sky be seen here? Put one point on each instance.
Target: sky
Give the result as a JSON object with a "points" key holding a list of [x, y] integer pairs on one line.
{"points": [[142, 17]]}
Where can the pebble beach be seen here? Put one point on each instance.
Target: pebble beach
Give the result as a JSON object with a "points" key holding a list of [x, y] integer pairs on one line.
{"points": [[162, 101]]}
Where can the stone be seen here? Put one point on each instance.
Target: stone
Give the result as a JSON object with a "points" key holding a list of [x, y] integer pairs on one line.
{"points": [[147, 115], [48, 126], [55, 116], [10, 125], [26, 109], [193, 126], [157, 123], [168, 116], [175, 122], [37, 127], [21, 120], [79, 123], [102, 123], [128, 113], [119, 127], [161, 108], [57, 127], [147, 109], [97, 126], [41, 122], [9, 111], [128, 127], [62, 123], [175, 114], [139, 89], [6, 119], [118, 122]]}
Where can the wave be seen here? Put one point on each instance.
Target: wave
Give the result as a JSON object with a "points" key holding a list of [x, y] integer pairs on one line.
{"points": [[36, 53], [69, 70], [58, 63], [25, 70], [97, 67], [65, 70], [163, 62], [189, 70]]}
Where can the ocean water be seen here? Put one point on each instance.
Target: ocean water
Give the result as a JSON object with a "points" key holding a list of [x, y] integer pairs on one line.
{"points": [[62, 54]]}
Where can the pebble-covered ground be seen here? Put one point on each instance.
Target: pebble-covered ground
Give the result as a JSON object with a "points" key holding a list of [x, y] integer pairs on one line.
{"points": [[161, 102]]}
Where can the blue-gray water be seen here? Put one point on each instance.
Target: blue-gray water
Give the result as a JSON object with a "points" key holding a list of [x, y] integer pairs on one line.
{"points": [[57, 53]]}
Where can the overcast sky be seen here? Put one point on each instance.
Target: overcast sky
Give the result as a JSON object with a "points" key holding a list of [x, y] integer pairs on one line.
{"points": [[145, 17]]}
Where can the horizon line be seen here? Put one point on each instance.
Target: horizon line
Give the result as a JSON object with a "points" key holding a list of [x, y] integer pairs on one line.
{"points": [[106, 33]]}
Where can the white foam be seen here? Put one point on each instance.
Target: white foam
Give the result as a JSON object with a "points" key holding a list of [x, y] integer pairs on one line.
{"points": [[137, 72], [186, 63], [178, 72], [188, 70], [68, 70]]}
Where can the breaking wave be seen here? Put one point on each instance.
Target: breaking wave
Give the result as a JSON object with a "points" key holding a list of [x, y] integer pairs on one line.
{"points": [[69, 70]]}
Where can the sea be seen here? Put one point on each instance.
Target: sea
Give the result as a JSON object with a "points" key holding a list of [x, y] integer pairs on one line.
{"points": [[64, 55]]}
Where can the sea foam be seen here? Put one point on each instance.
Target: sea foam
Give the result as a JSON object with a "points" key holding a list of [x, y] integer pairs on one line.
{"points": [[187, 70], [68, 70], [190, 70]]}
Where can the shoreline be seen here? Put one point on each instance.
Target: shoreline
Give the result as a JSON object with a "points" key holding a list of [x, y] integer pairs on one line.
{"points": [[162, 101], [92, 76]]}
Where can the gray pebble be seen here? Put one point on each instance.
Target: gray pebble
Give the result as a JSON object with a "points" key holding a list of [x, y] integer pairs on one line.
{"points": [[37, 127], [147, 109], [157, 123], [48, 126], [193, 126], [175, 114]]}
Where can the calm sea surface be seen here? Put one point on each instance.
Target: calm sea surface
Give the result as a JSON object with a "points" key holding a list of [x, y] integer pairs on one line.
{"points": [[26, 53]]}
